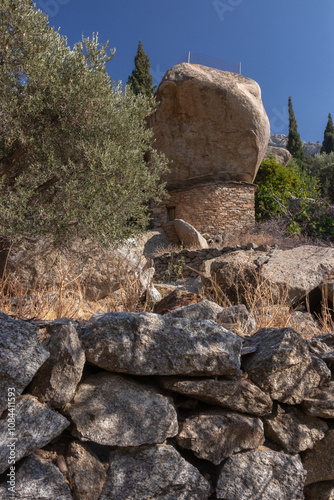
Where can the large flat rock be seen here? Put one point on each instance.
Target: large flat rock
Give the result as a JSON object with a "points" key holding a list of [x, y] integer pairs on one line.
{"points": [[286, 274], [150, 344], [301, 269], [237, 395], [117, 411], [158, 472]]}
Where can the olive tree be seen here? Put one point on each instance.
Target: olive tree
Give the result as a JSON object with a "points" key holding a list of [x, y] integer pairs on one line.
{"points": [[73, 145]]}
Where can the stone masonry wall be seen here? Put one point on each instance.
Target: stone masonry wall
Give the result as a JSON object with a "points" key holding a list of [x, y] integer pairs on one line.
{"points": [[211, 208], [170, 406]]}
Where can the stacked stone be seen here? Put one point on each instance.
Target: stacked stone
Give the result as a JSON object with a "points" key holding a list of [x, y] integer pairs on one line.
{"points": [[188, 263], [228, 206], [167, 407]]}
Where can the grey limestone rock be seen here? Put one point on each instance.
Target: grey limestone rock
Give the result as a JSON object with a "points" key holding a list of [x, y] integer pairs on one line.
{"points": [[294, 272], [293, 430], [281, 155], [217, 434], [205, 309], [323, 346], [37, 479], [299, 270], [237, 316], [232, 270], [188, 235], [304, 323], [282, 365], [261, 474], [150, 344], [319, 462], [58, 378], [87, 474], [156, 472], [116, 411], [238, 395], [35, 426], [321, 403], [21, 355]]}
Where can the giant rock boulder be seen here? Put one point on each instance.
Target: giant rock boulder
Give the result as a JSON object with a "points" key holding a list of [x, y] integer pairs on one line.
{"points": [[211, 124]]}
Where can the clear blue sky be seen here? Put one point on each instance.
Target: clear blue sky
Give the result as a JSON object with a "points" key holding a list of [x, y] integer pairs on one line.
{"points": [[287, 46]]}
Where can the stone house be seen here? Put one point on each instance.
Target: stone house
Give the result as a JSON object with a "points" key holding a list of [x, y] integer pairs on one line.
{"points": [[212, 208], [213, 128]]}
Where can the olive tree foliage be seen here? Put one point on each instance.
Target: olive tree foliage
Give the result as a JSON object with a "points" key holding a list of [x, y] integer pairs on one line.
{"points": [[72, 144]]}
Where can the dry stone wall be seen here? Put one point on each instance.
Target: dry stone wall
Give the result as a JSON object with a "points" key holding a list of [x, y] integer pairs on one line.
{"points": [[170, 406], [173, 266], [222, 207]]}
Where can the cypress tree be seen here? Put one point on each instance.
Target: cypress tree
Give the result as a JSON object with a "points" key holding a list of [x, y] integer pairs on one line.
{"points": [[328, 144], [140, 80], [295, 145]]}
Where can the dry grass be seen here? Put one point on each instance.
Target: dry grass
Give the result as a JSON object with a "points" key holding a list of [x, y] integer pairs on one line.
{"points": [[271, 232], [66, 296], [268, 305]]}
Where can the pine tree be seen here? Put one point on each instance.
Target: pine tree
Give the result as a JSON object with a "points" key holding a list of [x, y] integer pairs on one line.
{"points": [[141, 81], [295, 145], [328, 144]]}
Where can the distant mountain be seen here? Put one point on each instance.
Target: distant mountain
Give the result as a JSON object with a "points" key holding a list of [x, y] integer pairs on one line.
{"points": [[280, 141]]}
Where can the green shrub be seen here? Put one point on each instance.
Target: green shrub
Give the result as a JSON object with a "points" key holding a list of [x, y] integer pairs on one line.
{"points": [[322, 166], [277, 185]]}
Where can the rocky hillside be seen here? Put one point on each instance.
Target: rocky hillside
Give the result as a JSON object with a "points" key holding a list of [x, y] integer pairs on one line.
{"points": [[280, 141]]}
